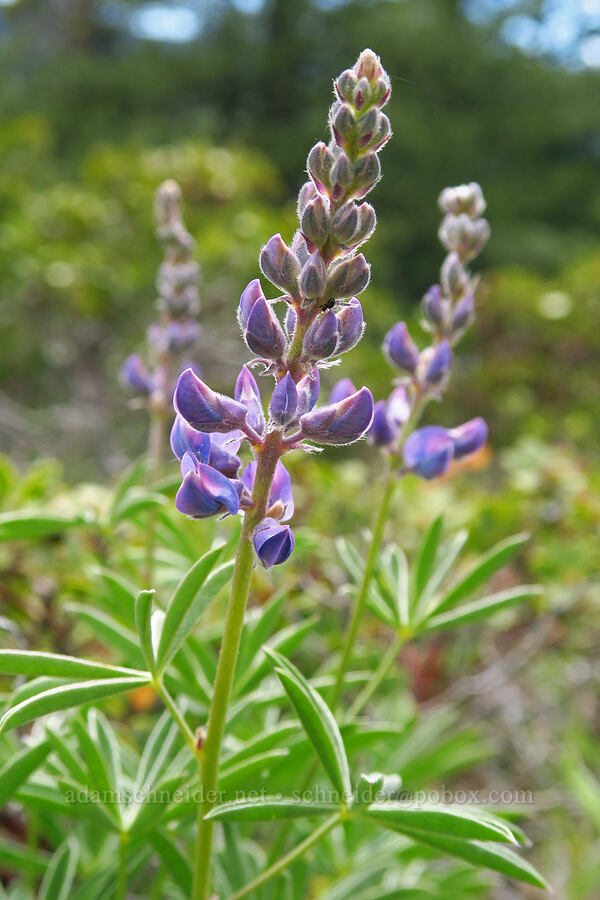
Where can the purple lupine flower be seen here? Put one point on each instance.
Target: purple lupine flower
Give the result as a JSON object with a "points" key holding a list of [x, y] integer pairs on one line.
{"points": [[250, 295], [429, 451], [247, 393], [204, 491], [383, 430], [135, 374], [223, 453], [439, 364], [273, 543], [433, 305], [280, 495], [279, 264], [313, 276], [469, 438], [308, 389], [463, 313], [284, 401], [398, 405], [186, 439], [321, 338], [351, 326], [340, 423], [342, 389], [400, 348], [263, 334], [204, 409]]}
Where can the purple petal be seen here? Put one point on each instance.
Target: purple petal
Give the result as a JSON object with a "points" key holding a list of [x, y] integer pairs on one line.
{"points": [[250, 295], [308, 392], [273, 543], [439, 364], [248, 394], [204, 491], [341, 389], [398, 405], [184, 438], [264, 335], [135, 375], [281, 489], [383, 430], [469, 438], [429, 451], [351, 326], [204, 409], [284, 401], [400, 348], [340, 423]]}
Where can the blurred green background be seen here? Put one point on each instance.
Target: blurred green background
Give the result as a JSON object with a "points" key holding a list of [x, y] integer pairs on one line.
{"points": [[103, 99]]}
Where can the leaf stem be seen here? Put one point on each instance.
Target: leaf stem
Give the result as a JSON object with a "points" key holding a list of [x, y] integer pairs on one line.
{"points": [[121, 890], [183, 726], [289, 858], [371, 686], [240, 586]]}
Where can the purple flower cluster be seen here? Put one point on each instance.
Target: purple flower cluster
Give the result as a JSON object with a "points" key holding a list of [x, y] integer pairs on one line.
{"points": [[176, 332], [448, 310], [319, 276]]}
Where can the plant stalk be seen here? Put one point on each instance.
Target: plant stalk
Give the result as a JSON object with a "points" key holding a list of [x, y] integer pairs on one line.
{"points": [[371, 686], [155, 456]]}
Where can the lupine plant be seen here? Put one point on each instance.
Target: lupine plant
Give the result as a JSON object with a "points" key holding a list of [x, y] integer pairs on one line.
{"points": [[188, 814]]}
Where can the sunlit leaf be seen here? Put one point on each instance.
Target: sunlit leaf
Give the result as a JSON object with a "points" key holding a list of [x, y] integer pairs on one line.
{"points": [[482, 609], [266, 809], [60, 873]]}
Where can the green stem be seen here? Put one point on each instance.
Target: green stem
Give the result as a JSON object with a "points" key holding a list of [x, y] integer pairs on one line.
{"points": [[156, 443], [389, 483], [183, 726], [234, 621], [382, 670], [121, 892], [288, 859]]}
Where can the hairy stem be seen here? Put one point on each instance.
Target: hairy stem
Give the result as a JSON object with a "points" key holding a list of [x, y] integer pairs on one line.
{"points": [[234, 621], [288, 859]]}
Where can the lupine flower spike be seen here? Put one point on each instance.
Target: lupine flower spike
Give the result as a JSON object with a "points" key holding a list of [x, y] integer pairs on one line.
{"points": [[448, 310], [317, 277]]}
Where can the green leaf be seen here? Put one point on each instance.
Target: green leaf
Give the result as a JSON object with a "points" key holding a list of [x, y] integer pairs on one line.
{"points": [[143, 623], [120, 594], [174, 861], [114, 634], [30, 524], [234, 776], [98, 770], [65, 697], [17, 856], [427, 556], [18, 769], [157, 749], [192, 595], [60, 874], [32, 663], [266, 740], [482, 571], [318, 722], [350, 559], [490, 856], [257, 631], [482, 609], [396, 568], [283, 641], [456, 822], [135, 501], [267, 809], [132, 476], [447, 556], [82, 804]]}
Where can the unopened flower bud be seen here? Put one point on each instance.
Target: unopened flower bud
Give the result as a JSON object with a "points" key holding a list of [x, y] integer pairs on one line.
{"points": [[315, 221], [469, 438], [281, 488], [367, 220], [290, 320], [344, 223], [350, 326], [362, 94], [381, 90], [284, 401], [400, 348], [341, 390], [342, 175], [429, 451], [204, 409], [306, 193], [367, 172], [343, 123], [186, 439], [313, 277], [264, 335], [463, 235], [166, 201], [321, 338], [347, 278], [345, 85], [368, 66], [308, 392], [204, 491], [454, 278], [300, 247], [247, 393], [439, 364], [273, 543], [223, 453], [135, 374], [279, 264], [398, 405], [340, 423], [383, 430], [467, 198], [434, 306], [319, 163], [249, 297], [463, 313]]}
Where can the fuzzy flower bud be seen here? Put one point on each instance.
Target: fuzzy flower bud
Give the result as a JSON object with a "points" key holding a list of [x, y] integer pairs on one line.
{"points": [[455, 280], [463, 313], [346, 84], [306, 193], [135, 375], [315, 221], [367, 220], [313, 277], [400, 348], [383, 430], [279, 264], [467, 198], [204, 491], [340, 423], [434, 306], [250, 295], [469, 438], [341, 390], [347, 278], [185, 439], [344, 223], [319, 164], [264, 335], [273, 543], [342, 175], [463, 235], [343, 123], [308, 392], [350, 326], [321, 338], [439, 364], [367, 172], [429, 451], [247, 393], [284, 401], [204, 409], [368, 66]]}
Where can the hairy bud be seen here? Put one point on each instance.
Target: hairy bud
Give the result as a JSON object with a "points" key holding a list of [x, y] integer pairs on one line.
{"points": [[347, 278], [319, 164], [313, 277], [279, 264]]}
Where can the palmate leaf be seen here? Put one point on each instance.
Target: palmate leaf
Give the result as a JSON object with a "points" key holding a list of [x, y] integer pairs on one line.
{"points": [[318, 722], [65, 697], [32, 663], [426, 558], [60, 874], [35, 525], [267, 809], [193, 594], [481, 609]]}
